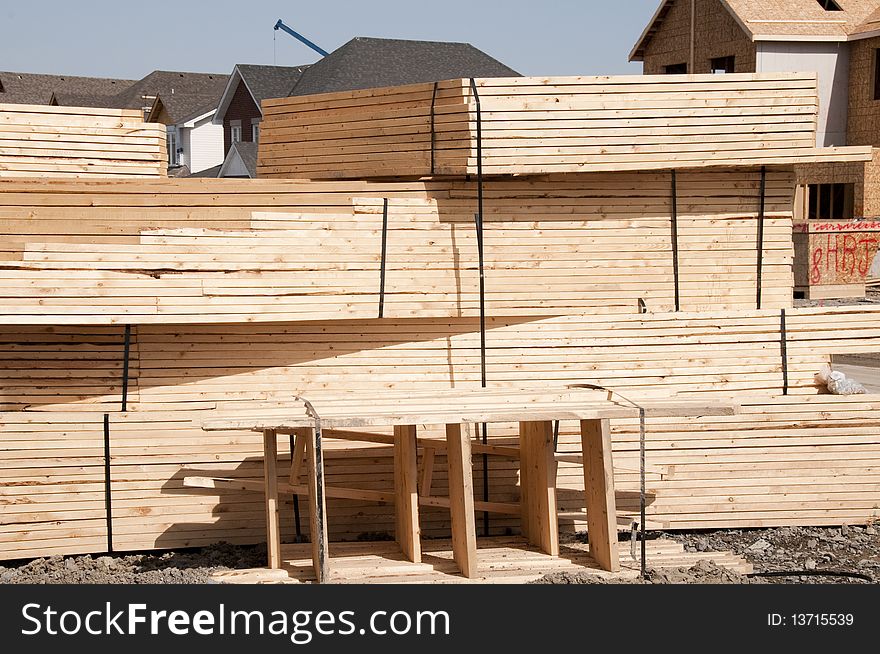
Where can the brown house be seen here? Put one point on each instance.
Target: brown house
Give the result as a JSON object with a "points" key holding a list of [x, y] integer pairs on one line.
{"points": [[837, 227], [239, 111]]}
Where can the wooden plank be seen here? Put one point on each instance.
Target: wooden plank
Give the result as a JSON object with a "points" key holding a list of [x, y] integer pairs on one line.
{"points": [[538, 485], [270, 479], [406, 492], [599, 491], [461, 500]]}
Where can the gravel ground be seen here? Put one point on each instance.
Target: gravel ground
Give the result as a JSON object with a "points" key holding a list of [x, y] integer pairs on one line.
{"points": [[180, 567], [854, 550], [848, 549]]}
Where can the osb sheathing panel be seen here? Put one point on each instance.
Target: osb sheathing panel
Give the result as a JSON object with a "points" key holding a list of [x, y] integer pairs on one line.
{"points": [[717, 34]]}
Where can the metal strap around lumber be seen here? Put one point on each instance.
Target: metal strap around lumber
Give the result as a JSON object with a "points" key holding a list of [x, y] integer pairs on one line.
{"points": [[479, 224], [108, 504], [126, 351], [382, 263], [760, 267], [433, 133], [674, 228], [783, 347], [320, 518]]}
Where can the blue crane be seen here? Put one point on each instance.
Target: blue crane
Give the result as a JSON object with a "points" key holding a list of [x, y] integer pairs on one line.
{"points": [[299, 37]]}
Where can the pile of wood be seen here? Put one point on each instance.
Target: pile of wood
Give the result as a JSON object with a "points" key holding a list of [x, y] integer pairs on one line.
{"points": [[535, 125], [798, 459], [600, 243], [45, 141]]}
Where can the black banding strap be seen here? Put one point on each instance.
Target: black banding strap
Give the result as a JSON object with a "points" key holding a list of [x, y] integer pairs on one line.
{"points": [[479, 224], [674, 227], [760, 271], [783, 347], [382, 263], [126, 351], [433, 133], [108, 504]]}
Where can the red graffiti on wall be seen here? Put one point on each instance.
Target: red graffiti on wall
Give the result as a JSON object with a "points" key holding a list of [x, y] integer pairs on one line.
{"points": [[842, 258], [851, 226]]}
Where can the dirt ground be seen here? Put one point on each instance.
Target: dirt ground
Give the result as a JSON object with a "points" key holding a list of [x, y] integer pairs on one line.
{"points": [[814, 552], [850, 549]]}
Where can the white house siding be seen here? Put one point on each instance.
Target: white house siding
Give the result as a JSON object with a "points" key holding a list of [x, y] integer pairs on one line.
{"points": [[205, 145], [831, 62], [184, 144]]}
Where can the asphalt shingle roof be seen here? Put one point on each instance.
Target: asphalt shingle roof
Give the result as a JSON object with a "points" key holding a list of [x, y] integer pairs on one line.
{"points": [[364, 63], [184, 95], [267, 82], [33, 88]]}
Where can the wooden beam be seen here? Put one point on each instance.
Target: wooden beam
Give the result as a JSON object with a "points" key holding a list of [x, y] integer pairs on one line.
{"points": [[599, 492], [538, 485], [270, 479], [427, 472], [461, 500], [406, 494], [298, 455], [503, 508]]}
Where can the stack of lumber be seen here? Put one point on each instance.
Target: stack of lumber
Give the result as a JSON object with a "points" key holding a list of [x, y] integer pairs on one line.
{"points": [[798, 459], [535, 125], [598, 243], [45, 141]]}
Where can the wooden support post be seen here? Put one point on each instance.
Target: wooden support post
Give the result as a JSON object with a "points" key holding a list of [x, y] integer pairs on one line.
{"points": [[270, 480], [297, 454], [427, 477], [599, 492], [406, 496], [538, 486], [461, 500], [317, 511]]}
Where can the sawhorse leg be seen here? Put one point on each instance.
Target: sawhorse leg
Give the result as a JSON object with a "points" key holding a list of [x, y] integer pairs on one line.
{"points": [[461, 500], [599, 492], [540, 524], [270, 480], [406, 495]]}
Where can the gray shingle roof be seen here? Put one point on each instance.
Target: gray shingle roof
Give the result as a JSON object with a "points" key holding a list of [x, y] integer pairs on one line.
{"points": [[33, 88], [208, 172], [369, 63], [184, 95], [267, 82]]}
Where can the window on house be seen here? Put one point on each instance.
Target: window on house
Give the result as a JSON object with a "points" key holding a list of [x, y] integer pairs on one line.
{"points": [[235, 133], [877, 74], [171, 142], [829, 5], [256, 132], [723, 64], [831, 201], [675, 69]]}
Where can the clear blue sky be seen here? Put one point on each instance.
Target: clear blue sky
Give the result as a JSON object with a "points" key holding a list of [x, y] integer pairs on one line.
{"points": [[121, 38]]}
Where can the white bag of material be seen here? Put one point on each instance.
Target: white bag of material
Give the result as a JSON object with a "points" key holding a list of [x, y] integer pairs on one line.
{"points": [[838, 383]]}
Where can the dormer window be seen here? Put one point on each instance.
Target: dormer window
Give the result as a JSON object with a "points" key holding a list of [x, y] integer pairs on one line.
{"points": [[829, 5]]}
